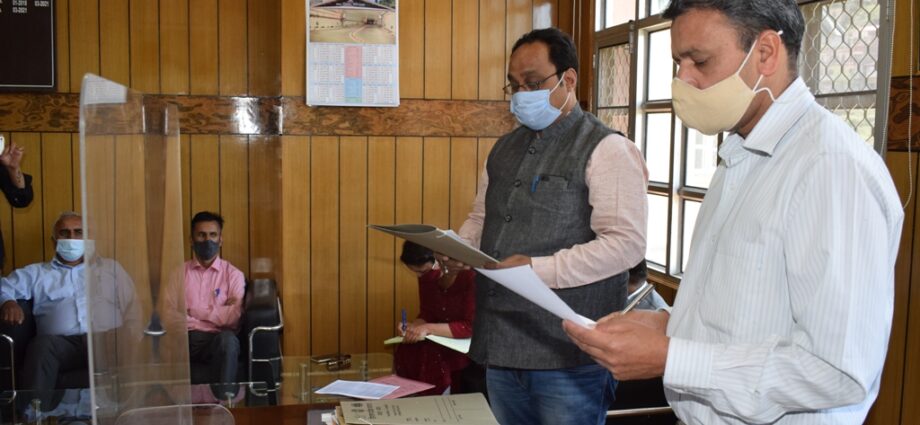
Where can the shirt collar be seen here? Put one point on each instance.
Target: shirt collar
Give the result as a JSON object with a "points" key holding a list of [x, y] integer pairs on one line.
{"points": [[779, 118], [559, 128], [58, 264], [214, 265]]}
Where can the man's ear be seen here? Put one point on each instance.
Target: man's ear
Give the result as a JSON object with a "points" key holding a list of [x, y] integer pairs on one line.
{"points": [[770, 54], [570, 77]]}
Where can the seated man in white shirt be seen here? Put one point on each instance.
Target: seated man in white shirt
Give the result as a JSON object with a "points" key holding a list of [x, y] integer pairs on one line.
{"points": [[59, 304], [785, 307]]}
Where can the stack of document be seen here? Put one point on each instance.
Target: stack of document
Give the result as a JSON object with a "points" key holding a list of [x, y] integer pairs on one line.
{"points": [[458, 344], [384, 388], [459, 409], [521, 280]]}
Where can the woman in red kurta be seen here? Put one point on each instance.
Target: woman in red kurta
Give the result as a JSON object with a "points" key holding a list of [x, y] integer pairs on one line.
{"points": [[448, 304]]}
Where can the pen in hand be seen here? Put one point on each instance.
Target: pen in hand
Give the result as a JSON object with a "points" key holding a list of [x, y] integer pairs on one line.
{"points": [[404, 324], [641, 293]]}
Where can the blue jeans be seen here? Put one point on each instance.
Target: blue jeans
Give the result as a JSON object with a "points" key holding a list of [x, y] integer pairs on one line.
{"points": [[578, 396]]}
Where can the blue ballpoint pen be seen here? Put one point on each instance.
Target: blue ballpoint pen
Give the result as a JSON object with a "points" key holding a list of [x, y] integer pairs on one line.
{"points": [[404, 326]]}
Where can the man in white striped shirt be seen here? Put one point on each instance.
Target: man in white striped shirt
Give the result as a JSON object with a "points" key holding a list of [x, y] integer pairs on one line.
{"points": [[785, 307]]}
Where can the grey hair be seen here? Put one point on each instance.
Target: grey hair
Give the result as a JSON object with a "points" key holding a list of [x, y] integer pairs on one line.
{"points": [[751, 17], [62, 216]]}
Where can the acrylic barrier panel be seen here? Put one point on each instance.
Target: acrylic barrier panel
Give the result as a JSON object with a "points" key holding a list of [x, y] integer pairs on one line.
{"points": [[132, 221]]}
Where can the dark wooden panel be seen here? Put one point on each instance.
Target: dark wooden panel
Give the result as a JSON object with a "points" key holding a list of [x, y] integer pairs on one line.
{"points": [[203, 46], [898, 113], [56, 112], [264, 21], [265, 206]]}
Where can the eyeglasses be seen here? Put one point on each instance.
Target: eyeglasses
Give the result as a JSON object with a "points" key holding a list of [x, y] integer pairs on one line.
{"points": [[512, 88]]}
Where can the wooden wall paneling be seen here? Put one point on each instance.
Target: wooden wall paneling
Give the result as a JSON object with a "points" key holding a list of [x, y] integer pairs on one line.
{"points": [[412, 49], [903, 31], [265, 206], [545, 13], [127, 221], [234, 200], [77, 172], [101, 187], [6, 227], [232, 47], [204, 173], [436, 181], [185, 146], [324, 250], [520, 21], [145, 46], [57, 179], [174, 46], [84, 41], [62, 45], [296, 250], [264, 47], [114, 36], [492, 58], [353, 232], [203, 57], [381, 247], [887, 408], [408, 210], [910, 410], [565, 16], [463, 165], [465, 51], [437, 49], [485, 146], [29, 236], [294, 47]]}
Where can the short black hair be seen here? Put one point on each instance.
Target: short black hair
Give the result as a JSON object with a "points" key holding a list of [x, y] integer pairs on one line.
{"points": [[751, 17], [414, 254], [562, 52], [639, 272], [203, 216]]}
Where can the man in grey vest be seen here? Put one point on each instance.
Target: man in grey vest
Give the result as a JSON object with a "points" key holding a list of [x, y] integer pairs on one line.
{"points": [[566, 195]]}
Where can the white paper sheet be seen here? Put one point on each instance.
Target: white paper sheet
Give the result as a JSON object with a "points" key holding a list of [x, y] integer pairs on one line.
{"points": [[523, 281], [357, 389]]}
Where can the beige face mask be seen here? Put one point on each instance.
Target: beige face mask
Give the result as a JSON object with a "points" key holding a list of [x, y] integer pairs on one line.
{"points": [[719, 107]]}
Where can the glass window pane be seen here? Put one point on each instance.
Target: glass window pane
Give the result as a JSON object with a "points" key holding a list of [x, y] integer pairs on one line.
{"points": [[657, 242], [660, 65], [615, 118], [691, 211], [620, 12], [702, 158], [658, 147], [613, 76], [657, 6]]}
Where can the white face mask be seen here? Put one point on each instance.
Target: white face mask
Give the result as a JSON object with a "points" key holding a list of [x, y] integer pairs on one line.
{"points": [[70, 249], [719, 107], [533, 109]]}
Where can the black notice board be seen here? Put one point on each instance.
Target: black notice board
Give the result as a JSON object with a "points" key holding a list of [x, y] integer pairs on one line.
{"points": [[27, 49]]}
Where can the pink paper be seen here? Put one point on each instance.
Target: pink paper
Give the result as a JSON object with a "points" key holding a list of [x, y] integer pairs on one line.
{"points": [[406, 386]]}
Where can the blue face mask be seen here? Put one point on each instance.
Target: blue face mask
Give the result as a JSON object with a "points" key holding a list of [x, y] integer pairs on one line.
{"points": [[70, 249], [533, 109]]}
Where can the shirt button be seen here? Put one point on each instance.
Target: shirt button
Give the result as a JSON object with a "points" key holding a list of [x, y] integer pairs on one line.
{"points": [[508, 218], [531, 150], [517, 183]]}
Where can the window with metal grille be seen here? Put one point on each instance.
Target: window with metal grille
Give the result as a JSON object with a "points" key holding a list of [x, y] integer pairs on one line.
{"points": [[845, 61]]}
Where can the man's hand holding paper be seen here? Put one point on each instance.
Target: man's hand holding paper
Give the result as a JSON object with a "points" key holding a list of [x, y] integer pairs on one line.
{"points": [[631, 346]]}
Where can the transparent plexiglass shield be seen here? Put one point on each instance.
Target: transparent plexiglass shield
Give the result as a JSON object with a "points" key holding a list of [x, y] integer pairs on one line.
{"points": [[132, 221]]}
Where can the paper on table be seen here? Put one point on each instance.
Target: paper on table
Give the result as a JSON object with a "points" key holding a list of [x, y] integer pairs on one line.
{"points": [[523, 281], [444, 241], [458, 409], [406, 386], [458, 344], [357, 389]]}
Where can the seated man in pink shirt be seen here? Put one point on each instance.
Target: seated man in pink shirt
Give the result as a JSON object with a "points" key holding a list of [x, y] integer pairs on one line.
{"points": [[214, 291]]}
